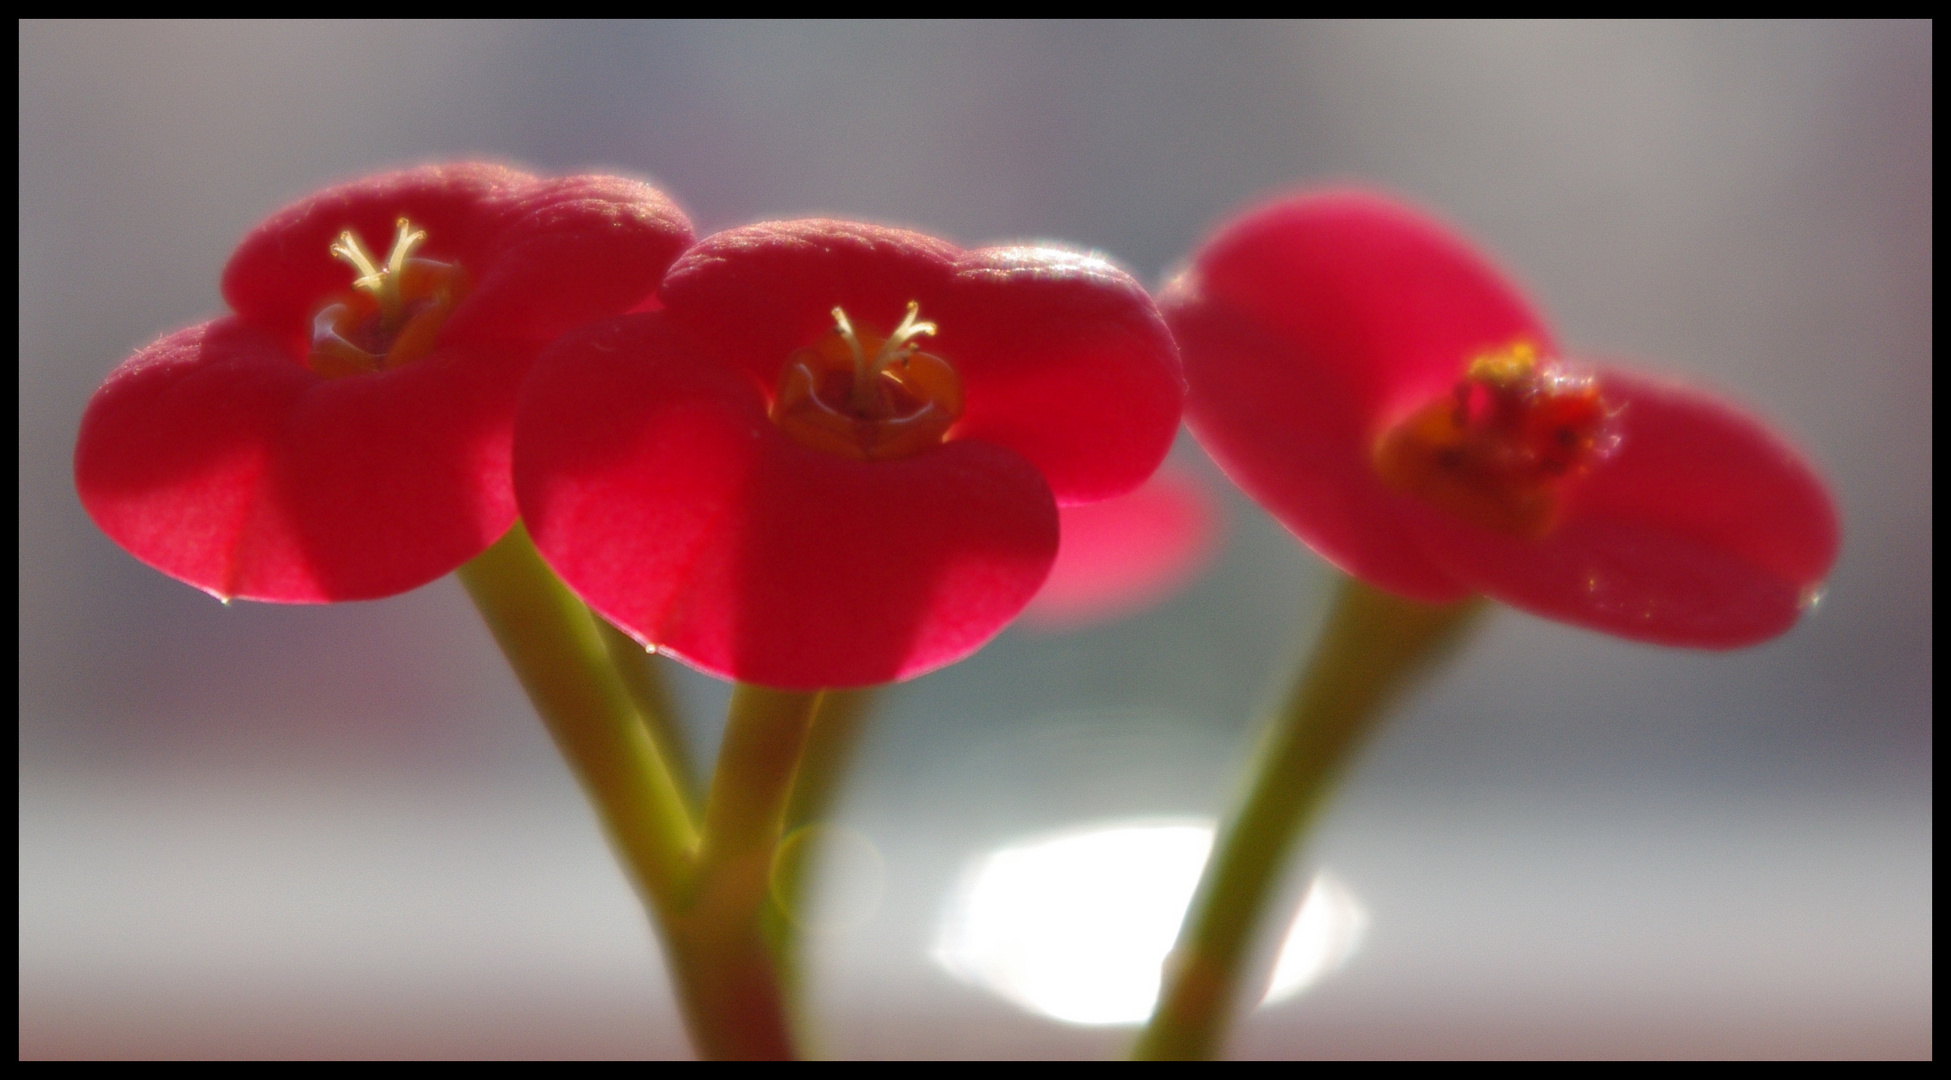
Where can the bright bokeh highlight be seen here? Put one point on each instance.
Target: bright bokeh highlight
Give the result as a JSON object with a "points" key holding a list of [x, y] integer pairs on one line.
{"points": [[1075, 925]]}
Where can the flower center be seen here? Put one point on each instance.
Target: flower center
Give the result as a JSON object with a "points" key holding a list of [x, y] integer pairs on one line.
{"points": [[392, 313], [1502, 447], [864, 396]]}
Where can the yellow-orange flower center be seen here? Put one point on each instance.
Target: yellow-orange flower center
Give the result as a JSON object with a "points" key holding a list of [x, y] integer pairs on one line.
{"points": [[393, 311], [861, 395], [1502, 447]]}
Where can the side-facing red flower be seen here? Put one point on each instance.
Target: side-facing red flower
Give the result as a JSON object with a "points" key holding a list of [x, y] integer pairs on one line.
{"points": [[345, 433], [1388, 395], [834, 457]]}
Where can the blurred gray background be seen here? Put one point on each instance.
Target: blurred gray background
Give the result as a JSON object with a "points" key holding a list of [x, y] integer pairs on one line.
{"points": [[258, 830]]}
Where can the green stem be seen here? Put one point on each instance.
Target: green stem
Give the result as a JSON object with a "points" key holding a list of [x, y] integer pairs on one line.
{"points": [[638, 667], [837, 725], [1373, 647], [727, 957], [552, 642]]}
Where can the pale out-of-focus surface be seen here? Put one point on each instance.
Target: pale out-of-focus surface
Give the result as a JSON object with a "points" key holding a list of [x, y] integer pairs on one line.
{"points": [[268, 831]]}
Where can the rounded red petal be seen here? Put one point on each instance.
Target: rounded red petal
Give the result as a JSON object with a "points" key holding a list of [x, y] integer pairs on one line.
{"points": [[1063, 357], [542, 255], [1703, 529], [215, 457], [1065, 360], [1286, 433], [656, 487], [283, 271], [753, 295], [1120, 556], [1306, 327], [570, 250]]}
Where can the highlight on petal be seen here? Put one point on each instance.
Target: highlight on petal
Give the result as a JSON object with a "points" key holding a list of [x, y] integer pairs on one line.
{"points": [[657, 487], [346, 434], [1120, 556]]}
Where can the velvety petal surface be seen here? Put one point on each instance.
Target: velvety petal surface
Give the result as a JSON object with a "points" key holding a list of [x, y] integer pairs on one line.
{"points": [[1120, 556], [542, 255], [1704, 528], [283, 270], [657, 488], [214, 457], [753, 295], [1307, 327], [1063, 357], [568, 250], [1067, 361]]}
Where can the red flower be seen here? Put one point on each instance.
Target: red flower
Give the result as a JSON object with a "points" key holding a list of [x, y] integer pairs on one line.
{"points": [[834, 457], [1123, 555], [1385, 392], [345, 434]]}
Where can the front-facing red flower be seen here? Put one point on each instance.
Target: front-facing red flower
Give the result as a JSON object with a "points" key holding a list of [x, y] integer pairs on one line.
{"points": [[1385, 392], [834, 456], [345, 433]]}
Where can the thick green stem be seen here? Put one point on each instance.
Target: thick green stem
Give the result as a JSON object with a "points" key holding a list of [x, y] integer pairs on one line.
{"points": [[702, 892], [837, 725], [727, 956], [638, 667], [1371, 650], [552, 642]]}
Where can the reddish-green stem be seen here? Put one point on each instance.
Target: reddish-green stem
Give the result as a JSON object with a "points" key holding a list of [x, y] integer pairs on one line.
{"points": [[1373, 646], [707, 892]]}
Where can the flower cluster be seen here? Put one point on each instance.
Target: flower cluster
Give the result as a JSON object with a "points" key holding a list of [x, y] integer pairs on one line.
{"points": [[820, 453], [815, 455]]}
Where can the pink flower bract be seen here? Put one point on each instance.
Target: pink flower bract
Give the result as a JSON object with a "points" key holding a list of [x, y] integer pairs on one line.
{"points": [[834, 456], [249, 458], [1386, 393]]}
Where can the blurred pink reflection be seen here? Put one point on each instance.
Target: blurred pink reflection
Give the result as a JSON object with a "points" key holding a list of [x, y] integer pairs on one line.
{"points": [[1123, 555]]}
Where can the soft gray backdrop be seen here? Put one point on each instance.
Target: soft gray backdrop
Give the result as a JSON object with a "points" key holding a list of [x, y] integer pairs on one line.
{"points": [[261, 830]]}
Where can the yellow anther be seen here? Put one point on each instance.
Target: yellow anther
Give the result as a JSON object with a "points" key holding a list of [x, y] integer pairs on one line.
{"points": [[381, 282], [1500, 449], [866, 395], [405, 239], [900, 343], [1504, 367], [846, 331], [394, 312], [348, 248], [857, 393]]}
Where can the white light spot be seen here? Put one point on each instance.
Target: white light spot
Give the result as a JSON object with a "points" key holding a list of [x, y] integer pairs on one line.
{"points": [[1075, 925], [1324, 936]]}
